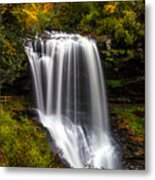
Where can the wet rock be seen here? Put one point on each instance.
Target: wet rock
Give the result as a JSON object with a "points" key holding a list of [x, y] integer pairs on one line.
{"points": [[132, 145]]}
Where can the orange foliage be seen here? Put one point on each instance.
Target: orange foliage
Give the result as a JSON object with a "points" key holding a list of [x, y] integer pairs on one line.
{"points": [[33, 11], [111, 7], [47, 7]]}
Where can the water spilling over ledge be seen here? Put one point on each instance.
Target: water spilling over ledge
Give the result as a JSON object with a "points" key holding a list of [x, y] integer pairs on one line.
{"points": [[71, 98]]}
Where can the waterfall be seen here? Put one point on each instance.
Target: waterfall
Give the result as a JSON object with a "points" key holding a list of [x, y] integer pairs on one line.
{"points": [[71, 98]]}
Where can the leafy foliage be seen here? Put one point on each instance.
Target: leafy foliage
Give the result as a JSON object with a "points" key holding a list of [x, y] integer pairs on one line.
{"points": [[118, 28], [12, 54], [33, 17], [23, 142]]}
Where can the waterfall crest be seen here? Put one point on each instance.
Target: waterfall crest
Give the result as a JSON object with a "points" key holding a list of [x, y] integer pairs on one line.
{"points": [[71, 99]]}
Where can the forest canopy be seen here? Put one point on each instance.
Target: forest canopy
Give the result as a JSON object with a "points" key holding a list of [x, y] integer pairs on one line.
{"points": [[118, 28]]}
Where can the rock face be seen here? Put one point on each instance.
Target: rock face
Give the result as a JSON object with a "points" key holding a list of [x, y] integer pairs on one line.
{"points": [[21, 86], [131, 144]]}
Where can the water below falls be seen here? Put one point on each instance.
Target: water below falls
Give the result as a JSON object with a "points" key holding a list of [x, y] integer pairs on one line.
{"points": [[71, 99]]}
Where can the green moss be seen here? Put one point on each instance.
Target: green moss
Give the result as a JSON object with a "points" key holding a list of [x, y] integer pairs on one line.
{"points": [[114, 83], [134, 117], [23, 143]]}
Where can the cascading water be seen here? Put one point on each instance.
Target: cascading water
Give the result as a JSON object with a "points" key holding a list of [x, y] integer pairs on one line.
{"points": [[71, 100]]}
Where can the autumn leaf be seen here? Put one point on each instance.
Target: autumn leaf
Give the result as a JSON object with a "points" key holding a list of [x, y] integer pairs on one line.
{"points": [[47, 7], [111, 7]]}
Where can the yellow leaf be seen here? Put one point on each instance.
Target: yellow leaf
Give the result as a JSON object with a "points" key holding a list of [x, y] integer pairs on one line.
{"points": [[111, 7]]}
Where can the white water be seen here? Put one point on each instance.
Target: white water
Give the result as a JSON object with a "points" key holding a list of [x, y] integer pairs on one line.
{"points": [[71, 99]]}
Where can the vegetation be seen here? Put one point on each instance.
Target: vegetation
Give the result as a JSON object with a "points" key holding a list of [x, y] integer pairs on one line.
{"points": [[22, 141], [128, 126], [117, 27], [133, 117]]}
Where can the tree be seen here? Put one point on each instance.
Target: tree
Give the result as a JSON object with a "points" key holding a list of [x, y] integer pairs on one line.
{"points": [[118, 28]]}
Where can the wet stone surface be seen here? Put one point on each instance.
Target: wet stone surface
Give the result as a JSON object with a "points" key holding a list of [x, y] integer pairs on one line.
{"points": [[131, 145]]}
